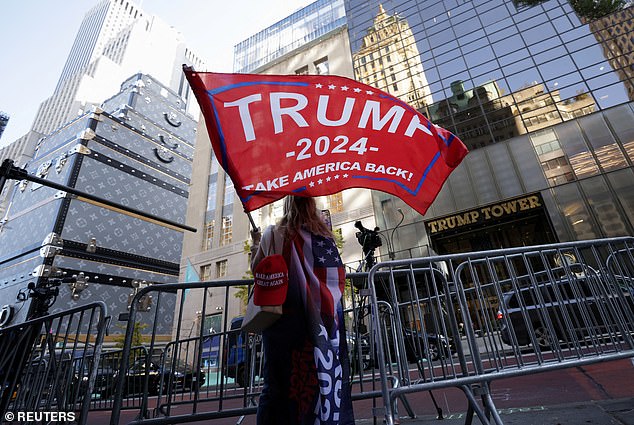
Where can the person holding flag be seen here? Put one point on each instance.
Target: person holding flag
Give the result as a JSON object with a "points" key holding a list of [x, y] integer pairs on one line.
{"points": [[306, 367], [301, 136]]}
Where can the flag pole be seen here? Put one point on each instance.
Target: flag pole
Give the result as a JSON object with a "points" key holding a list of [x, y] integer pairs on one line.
{"points": [[251, 220]]}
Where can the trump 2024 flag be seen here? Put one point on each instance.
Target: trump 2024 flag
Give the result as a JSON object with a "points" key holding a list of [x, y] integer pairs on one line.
{"points": [[313, 135]]}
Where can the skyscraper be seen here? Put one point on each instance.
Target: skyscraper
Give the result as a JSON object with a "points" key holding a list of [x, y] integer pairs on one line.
{"points": [[115, 40], [542, 97], [614, 33], [389, 60], [133, 148]]}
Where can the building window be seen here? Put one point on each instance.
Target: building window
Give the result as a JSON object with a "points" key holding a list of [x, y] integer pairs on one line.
{"points": [[322, 67], [302, 71], [221, 268], [335, 202], [227, 230], [209, 234], [205, 272]]}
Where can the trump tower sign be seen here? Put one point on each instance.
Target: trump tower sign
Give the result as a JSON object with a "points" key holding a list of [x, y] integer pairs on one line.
{"points": [[306, 135]]}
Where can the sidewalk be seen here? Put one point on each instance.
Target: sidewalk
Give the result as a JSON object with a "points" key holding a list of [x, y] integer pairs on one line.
{"points": [[603, 412]]}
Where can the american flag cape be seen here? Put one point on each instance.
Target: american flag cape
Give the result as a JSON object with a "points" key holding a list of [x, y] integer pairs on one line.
{"points": [[317, 268]]}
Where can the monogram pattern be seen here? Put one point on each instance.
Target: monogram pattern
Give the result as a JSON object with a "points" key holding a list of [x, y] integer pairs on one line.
{"points": [[119, 164], [153, 108], [141, 143]]}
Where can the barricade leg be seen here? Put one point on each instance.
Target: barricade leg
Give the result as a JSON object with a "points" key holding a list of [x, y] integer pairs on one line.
{"points": [[483, 414]]}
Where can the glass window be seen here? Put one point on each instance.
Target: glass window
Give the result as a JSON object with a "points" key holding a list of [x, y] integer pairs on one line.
{"points": [[574, 145], [492, 16], [621, 120], [623, 184], [529, 167], [229, 192], [589, 56], [480, 56], [539, 33], [602, 80], [221, 268], [451, 68], [553, 161], [582, 42], [603, 204], [209, 234], [562, 24], [545, 57], [322, 67], [606, 150], [555, 67], [517, 62], [466, 27], [503, 169], [205, 272], [563, 81], [475, 44], [484, 72], [509, 45], [501, 30], [482, 177], [211, 192], [450, 46], [523, 79], [227, 230], [576, 212], [611, 95], [439, 38]]}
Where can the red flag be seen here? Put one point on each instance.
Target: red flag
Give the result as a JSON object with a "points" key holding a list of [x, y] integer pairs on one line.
{"points": [[316, 135]]}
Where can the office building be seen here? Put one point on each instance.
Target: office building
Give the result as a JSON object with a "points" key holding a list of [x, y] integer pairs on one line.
{"points": [[79, 133], [542, 99], [115, 40], [318, 45], [614, 34], [297, 30], [389, 60]]}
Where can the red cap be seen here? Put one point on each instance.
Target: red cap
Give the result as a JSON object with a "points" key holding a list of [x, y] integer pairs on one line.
{"points": [[271, 281]]}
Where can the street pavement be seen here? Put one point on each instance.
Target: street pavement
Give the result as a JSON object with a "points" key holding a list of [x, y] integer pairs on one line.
{"points": [[601, 412], [598, 394]]}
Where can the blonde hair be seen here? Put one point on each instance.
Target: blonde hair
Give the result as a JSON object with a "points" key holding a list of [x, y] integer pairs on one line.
{"points": [[302, 212]]}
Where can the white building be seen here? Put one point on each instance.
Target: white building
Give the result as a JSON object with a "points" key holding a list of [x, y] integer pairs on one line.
{"points": [[115, 40]]}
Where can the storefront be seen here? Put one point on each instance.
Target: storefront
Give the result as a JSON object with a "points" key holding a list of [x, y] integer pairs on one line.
{"points": [[520, 221]]}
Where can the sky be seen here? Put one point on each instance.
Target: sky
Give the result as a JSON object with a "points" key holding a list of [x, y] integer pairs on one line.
{"points": [[37, 35]]}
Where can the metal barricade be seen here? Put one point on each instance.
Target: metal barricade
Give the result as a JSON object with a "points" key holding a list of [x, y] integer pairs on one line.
{"points": [[135, 385], [47, 368], [464, 320], [205, 374]]}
